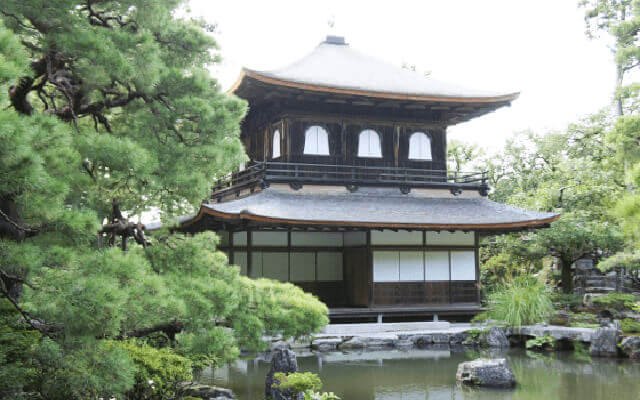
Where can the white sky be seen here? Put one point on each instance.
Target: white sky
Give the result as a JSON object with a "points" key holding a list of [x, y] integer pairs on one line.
{"points": [[536, 47]]}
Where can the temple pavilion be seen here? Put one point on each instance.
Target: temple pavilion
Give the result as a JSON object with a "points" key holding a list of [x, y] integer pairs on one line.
{"points": [[347, 193]]}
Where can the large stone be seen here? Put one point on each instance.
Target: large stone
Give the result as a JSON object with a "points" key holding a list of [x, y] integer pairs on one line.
{"points": [[404, 344], [630, 347], [430, 338], [440, 338], [282, 360], [374, 343], [207, 392], [326, 344], [422, 340], [458, 338], [604, 342], [369, 343], [496, 338], [558, 332], [484, 372], [355, 343]]}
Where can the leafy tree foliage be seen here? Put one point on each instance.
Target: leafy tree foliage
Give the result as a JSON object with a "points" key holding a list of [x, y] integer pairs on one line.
{"points": [[621, 20], [461, 155], [110, 111], [575, 173]]}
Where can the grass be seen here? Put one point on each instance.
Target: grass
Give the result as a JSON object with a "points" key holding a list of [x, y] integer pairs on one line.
{"points": [[630, 325], [523, 301]]}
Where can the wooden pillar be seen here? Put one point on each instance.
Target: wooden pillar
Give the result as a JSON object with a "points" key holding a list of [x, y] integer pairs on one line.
{"points": [[444, 147], [449, 281], [370, 267], [230, 233], [424, 263], [396, 145], [287, 141], [476, 244], [343, 138], [266, 144], [249, 254], [288, 254]]}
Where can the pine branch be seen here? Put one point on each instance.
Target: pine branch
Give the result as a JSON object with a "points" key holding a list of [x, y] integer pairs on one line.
{"points": [[38, 325], [168, 328]]}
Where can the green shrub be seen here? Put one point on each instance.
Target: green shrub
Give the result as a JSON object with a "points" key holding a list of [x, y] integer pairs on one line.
{"points": [[475, 333], [480, 318], [522, 301], [307, 383], [159, 372], [630, 325], [298, 381], [541, 343], [583, 320], [616, 301], [564, 300]]}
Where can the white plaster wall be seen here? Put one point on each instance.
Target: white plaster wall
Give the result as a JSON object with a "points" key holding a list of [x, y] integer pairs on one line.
{"points": [[389, 237], [445, 238]]}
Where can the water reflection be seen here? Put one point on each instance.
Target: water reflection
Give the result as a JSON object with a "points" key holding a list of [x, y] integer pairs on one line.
{"points": [[430, 374]]}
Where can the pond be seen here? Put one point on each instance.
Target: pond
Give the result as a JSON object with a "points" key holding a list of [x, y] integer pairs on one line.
{"points": [[430, 374]]}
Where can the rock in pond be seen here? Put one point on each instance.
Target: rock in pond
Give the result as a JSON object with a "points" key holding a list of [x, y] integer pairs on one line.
{"points": [[496, 338], [630, 347], [369, 343], [326, 344], [355, 343], [484, 372], [458, 338], [283, 359], [604, 342], [207, 392]]}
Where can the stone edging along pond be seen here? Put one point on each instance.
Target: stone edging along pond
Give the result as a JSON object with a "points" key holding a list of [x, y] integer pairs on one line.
{"points": [[606, 341]]}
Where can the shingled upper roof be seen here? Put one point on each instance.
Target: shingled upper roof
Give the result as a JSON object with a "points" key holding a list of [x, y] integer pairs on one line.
{"points": [[375, 208], [336, 67]]}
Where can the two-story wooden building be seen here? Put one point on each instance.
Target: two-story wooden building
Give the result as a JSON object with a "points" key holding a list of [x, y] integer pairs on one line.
{"points": [[347, 193]]}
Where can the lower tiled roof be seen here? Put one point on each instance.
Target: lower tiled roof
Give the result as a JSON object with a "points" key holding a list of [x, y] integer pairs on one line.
{"points": [[376, 207]]}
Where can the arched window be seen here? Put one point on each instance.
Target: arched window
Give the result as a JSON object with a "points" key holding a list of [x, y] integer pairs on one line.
{"points": [[275, 151], [316, 141], [369, 144], [419, 146]]}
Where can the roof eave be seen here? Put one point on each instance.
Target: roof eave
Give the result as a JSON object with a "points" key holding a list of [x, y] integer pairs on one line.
{"points": [[246, 216], [247, 73]]}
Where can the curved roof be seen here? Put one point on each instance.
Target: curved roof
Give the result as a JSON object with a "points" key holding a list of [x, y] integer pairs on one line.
{"points": [[334, 66], [376, 208]]}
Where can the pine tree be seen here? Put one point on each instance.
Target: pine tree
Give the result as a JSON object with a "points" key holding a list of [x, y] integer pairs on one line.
{"points": [[110, 111]]}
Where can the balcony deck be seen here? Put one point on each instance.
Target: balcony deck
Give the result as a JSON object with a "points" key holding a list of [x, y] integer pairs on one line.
{"points": [[261, 174]]}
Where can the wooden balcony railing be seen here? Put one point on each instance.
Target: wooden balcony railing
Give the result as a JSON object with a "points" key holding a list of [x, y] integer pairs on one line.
{"points": [[351, 176]]}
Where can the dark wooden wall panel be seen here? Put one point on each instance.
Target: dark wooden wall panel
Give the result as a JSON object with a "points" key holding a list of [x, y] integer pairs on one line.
{"points": [[464, 292], [418, 293], [331, 293], [356, 276]]}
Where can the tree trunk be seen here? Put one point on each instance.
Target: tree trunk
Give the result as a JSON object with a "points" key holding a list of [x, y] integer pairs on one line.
{"points": [[618, 101], [567, 276]]}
